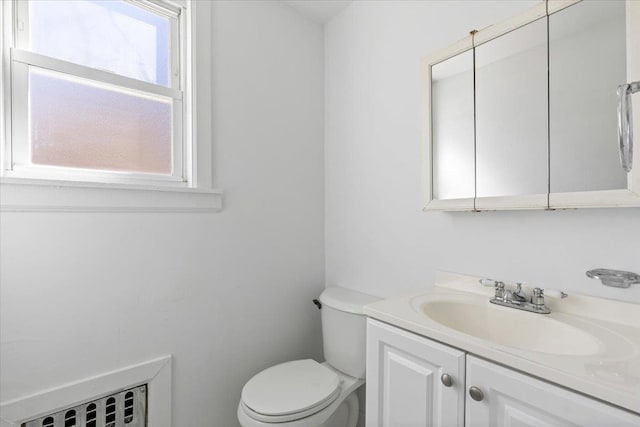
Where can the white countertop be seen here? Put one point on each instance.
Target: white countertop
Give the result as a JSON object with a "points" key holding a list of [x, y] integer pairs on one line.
{"points": [[611, 374]]}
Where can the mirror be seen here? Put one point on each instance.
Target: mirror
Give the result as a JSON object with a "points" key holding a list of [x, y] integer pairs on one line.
{"points": [[452, 127], [511, 113], [524, 114], [587, 62]]}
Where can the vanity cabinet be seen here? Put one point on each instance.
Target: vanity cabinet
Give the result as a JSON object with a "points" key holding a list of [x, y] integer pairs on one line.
{"points": [[511, 398], [404, 380], [406, 388]]}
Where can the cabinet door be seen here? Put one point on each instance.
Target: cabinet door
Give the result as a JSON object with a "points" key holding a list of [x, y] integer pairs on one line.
{"points": [[515, 399], [404, 385]]}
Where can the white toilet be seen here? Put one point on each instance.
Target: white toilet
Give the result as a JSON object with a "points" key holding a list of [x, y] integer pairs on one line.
{"points": [[305, 393]]}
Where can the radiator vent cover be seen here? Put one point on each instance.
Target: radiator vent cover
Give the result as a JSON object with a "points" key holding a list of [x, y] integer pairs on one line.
{"points": [[126, 408]]}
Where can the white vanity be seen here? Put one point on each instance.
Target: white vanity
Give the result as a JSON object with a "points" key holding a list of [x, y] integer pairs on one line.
{"points": [[448, 357]]}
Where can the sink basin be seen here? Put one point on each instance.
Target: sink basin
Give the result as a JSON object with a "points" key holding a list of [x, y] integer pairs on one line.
{"points": [[588, 344], [553, 334]]}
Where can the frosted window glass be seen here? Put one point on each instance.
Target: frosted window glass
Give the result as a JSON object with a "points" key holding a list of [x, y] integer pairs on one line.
{"points": [[74, 124], [109, 35]]}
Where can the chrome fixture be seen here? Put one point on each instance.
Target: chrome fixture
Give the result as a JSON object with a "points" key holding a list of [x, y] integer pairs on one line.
{"points": [[446, 379], [537, 298], [517, 298], [625, 124], [500, 290], [615, 278], [476, 394], [515, 295]]}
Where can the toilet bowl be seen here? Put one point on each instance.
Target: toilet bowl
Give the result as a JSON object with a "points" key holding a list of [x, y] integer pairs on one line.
{"points": [[300, 393], [305, 393]]}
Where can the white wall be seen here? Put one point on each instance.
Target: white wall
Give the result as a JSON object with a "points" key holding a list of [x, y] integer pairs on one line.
{"points": [[227, 294], [377, 238]]}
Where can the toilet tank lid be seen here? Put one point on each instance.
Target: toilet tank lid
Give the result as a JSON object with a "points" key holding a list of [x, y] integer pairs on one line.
{"points": [[346, 300]]}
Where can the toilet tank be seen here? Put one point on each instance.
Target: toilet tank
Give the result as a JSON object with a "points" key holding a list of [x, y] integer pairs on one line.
{"points": [[344, 329]]}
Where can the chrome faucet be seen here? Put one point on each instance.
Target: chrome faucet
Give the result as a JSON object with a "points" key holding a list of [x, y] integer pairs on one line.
{"points": [[517, 298]]}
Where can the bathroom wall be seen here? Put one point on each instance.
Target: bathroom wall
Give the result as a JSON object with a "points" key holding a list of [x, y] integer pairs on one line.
{"points": [[226, 293], [377, 238]]}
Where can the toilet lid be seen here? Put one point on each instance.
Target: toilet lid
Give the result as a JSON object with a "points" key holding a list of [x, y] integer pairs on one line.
{"points": [[290, 388]]}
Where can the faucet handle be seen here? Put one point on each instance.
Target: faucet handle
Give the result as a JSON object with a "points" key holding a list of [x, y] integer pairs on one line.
{"points": [[499, 290], [537, 297], [488, 282], [538, 294], [555, 293], [499, 286]]}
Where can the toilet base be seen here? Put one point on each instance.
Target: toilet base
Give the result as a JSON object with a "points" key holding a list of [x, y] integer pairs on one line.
{"points": [[346, 414]]}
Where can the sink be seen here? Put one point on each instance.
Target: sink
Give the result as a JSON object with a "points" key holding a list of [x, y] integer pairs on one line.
{"points": [[473, 315], [588, 344]]}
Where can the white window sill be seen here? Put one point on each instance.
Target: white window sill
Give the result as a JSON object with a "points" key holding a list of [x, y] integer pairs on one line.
{"points": [[34, 195]]}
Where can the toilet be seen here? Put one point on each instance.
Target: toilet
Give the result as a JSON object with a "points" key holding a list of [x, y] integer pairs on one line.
{"points": [[305, 393]]}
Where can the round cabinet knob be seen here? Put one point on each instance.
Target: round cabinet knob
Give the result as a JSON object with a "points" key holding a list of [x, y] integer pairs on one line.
{"points": [[476, 394], [446, 379]]}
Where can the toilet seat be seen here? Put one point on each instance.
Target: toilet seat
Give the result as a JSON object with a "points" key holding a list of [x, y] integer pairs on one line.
{"points": [[348, 385], [290, 391], [290, 417]]}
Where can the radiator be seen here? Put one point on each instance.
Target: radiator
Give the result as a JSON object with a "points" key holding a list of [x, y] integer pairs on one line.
{"points": [[126, 408]]}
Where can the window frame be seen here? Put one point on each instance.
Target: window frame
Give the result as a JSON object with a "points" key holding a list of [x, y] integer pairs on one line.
{"points": [[16, 61]]}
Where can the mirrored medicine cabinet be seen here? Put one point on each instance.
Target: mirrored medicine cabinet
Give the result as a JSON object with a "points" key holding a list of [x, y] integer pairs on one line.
{"points": [[524, 114]]}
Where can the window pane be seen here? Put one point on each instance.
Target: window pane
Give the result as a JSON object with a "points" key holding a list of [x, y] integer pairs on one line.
{"points": [[109, 35], [76, 124]]}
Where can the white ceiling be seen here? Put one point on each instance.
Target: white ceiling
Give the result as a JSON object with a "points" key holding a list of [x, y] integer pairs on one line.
{"points": [[319, 11]]}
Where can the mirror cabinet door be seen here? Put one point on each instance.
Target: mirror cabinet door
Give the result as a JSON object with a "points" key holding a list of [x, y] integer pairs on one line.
{"points": [[452, 128], [511, 113], [544, 128], [587, 62]]}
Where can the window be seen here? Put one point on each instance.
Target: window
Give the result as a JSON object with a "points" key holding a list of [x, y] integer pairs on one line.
{"points": [[99, 91]]}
